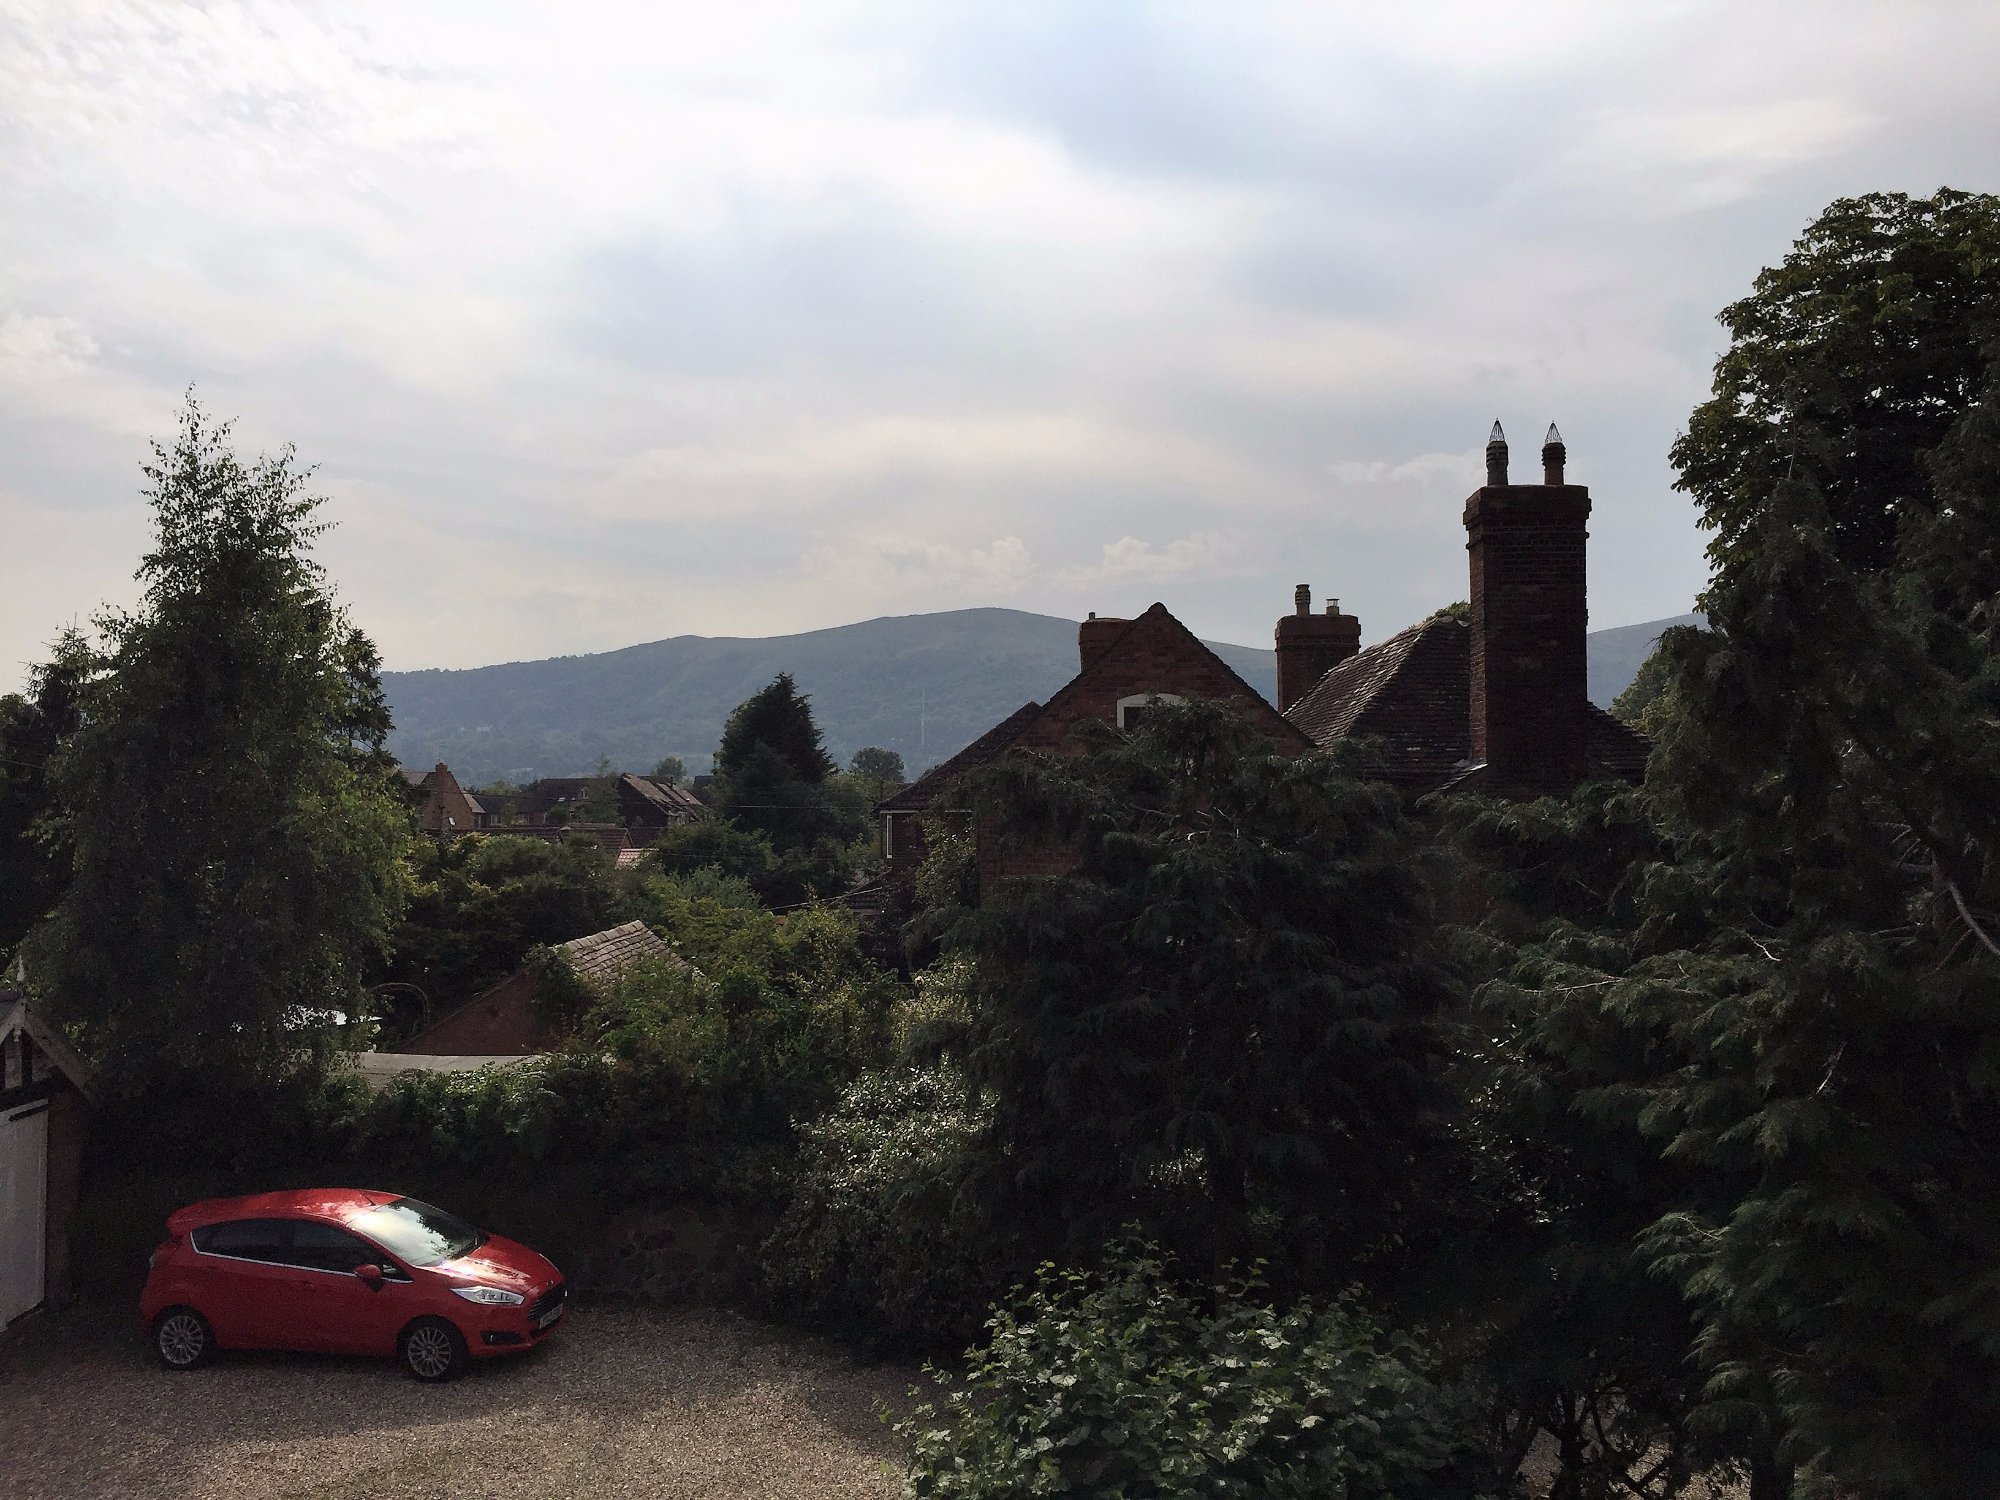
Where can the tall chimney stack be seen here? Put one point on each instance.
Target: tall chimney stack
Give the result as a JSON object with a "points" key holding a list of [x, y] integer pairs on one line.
{"points": [[1530, 696], [1309, 645]]}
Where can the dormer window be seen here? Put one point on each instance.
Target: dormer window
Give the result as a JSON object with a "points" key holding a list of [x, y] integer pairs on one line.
{"points": [[1131, 710]]}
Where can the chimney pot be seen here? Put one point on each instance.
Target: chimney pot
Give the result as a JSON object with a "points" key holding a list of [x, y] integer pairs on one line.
{"points": [[1496, 455], [1553, 456], [1333, 606], [1302, 599]]}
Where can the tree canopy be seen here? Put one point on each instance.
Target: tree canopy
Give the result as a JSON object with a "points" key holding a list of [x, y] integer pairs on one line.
{"points": [[1847, 366], [1220, 1021], [1799, 1014], [237, 838]]}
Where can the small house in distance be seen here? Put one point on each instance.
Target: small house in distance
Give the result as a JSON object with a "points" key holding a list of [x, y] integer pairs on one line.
{"points": [[501, 1021], [44, 1088], [444, 808]]}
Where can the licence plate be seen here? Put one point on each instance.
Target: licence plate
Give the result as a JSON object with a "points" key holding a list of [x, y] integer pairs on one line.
{"points": [[548, 1317]]}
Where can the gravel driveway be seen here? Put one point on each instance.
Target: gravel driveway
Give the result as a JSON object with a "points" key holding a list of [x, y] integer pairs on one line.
{"points": [[624, 1402]]}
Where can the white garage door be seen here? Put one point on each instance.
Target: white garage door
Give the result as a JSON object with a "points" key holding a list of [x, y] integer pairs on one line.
{"points": [[24, 1182]]}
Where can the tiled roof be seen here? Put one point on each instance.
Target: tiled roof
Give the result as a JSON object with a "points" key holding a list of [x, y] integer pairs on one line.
{"points": [[919, 794], [603, 956], [1616, 748], [664, 795], [1412, 696]]}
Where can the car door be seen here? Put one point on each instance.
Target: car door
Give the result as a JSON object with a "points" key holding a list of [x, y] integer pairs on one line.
{"points": [[346, 1314], [245, 1284]]}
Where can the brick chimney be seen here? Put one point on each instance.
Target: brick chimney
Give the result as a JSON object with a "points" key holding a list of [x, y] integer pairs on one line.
{"points": [[1308, 644], [1095, 635], [1529, 689]]}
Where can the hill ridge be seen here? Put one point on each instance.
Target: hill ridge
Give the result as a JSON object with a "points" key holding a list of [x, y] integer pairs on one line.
{"points": [[924, 685]]}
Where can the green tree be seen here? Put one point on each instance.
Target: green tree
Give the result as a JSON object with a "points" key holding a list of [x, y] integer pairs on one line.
{"points": [[1220, 1024], [1647, 699], [670, 769], [478, 904], [1847, 365], [774, 778], [1804, 1016], [237, 839], [877, 764], [34, 843]]}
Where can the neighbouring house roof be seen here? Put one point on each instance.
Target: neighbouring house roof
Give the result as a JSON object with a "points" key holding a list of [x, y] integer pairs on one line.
{"points": [[663, 797], [1411, 695], [1152, 630], [17, 1015], [1153, 636], [920, 793], [600, 958]]}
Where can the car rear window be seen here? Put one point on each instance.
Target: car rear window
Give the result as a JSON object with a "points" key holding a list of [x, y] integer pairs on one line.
{"points": [[245, 1239], [418, 1233]]}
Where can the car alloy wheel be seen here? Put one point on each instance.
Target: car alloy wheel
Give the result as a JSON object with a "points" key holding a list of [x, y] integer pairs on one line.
{"points": [[181, 1338], [433, 1350]]}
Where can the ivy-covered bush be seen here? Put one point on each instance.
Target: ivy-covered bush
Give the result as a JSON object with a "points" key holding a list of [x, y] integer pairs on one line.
{"points": [[1119, 1385], [885, 1239]]}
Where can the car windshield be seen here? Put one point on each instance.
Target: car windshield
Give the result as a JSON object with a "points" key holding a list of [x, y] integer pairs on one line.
{"points": [[418, 1233]]}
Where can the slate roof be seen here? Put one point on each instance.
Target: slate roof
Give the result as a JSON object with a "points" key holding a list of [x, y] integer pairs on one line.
{"points": [[920, 793], [603, 956], [1412, 696]]}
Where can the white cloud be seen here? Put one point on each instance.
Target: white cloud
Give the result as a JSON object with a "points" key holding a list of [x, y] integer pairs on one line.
{"points": [[612, 321], [1129, 560]]}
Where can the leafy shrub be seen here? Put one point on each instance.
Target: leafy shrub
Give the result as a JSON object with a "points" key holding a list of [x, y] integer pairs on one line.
{"points": [[1117, 1385], [884, 1238]]}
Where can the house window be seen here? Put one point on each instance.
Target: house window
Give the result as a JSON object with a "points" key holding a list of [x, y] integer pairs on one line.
{"points": [[1131, 710]]}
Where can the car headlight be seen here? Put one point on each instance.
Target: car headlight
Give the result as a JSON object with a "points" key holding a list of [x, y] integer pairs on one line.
{"points": [[490, 1296]]}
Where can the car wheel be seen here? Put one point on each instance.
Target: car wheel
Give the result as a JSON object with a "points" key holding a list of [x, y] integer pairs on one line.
{"points": [[431, 1349], [182, 1338]]}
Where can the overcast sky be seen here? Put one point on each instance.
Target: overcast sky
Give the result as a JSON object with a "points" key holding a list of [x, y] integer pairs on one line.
{"points": [[610, 323]]}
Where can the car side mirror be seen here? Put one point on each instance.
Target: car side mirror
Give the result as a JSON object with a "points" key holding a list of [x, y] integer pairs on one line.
{"points": [[371, 1277]]}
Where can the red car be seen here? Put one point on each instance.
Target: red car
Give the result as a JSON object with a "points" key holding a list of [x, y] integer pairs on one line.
{"points": [[343, 1271]]}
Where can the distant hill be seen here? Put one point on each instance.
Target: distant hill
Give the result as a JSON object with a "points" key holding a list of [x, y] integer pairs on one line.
{"points": [[1616, 655], [922, 685]]}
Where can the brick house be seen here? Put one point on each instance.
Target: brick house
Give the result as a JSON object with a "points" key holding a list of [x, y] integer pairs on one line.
{"points": [[1497, 702], [1124, 665], [444, 808]]}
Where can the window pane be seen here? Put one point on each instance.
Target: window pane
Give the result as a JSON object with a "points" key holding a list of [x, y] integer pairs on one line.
{"points": [[324, 1247], [246, 1239]]}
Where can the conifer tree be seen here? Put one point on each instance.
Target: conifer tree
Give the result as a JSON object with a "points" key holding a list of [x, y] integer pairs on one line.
{"points": [[237, 840], [1219, 1024], [772, 772]]}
